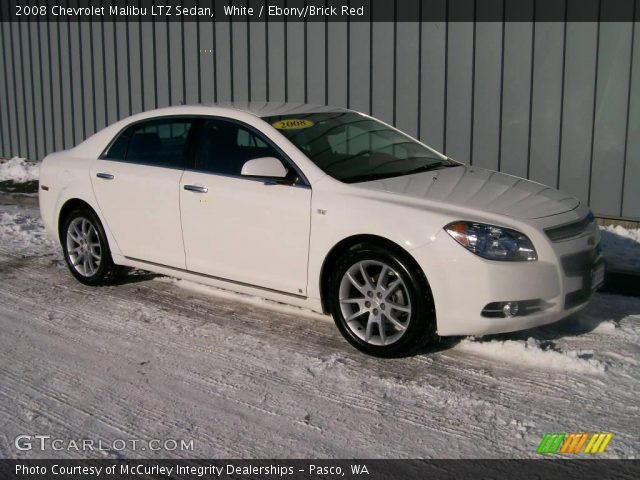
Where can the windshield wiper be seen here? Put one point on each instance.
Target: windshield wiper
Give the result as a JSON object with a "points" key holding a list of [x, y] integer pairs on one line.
{"points": [[367, 177], [431, 166]]}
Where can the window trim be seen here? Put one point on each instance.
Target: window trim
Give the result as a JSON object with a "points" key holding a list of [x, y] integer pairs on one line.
{"points": [[189, 163]]}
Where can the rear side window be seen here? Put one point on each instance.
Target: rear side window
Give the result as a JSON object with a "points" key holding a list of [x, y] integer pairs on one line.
{"points": [[159, 143], [223, 147]]}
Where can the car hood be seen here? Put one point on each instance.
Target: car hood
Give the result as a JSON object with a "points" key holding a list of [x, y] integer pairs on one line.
{"points": [[479, 188]]}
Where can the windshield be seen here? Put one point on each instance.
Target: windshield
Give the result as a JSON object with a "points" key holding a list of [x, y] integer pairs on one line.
{"points": [[354, 148]]}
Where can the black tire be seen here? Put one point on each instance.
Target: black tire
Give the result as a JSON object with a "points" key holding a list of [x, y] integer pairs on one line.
{"points": [[106, 271], [420, 329]]}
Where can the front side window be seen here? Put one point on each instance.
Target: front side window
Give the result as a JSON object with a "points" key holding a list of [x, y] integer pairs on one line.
{"points": [[224, 147], [354, 148], [159, 143]]}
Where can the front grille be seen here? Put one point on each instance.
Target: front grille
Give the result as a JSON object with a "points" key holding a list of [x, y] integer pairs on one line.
{"points": [[570, 230], [579, 264]]}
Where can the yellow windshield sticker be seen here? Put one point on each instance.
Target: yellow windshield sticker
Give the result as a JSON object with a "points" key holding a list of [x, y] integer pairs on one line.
{"points": [[292, 124]]}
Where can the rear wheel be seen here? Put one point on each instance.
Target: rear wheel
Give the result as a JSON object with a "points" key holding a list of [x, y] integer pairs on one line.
{"points": [[85, 248], [381, 303]]}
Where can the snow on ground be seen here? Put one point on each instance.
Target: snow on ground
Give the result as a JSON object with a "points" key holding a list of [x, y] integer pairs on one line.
{"points": [[19, 170], [621, 248], [24, 233], [533, 352], [158, 358]]}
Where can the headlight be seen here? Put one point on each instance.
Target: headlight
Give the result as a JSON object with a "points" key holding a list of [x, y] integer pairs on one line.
{"points": [[491, 242]]}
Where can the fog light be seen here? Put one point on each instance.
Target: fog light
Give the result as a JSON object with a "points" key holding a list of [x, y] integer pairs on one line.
{"points": [[510, 309]]}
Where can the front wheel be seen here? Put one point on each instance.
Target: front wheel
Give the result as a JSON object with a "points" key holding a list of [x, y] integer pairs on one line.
{"points": [[381, 303], [85, 248]]}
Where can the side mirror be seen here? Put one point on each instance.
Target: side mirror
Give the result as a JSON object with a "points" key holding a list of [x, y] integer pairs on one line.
{"points": [[269, 167]]}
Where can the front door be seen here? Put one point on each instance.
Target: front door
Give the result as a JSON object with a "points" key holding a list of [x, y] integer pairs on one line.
{"points": [[245, 230]]}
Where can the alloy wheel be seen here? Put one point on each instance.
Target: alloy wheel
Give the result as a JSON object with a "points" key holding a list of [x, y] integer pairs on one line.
{"points": [[83, 246], [374, 302]]}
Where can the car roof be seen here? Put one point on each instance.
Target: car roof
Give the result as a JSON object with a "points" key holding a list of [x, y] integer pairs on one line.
{"points": [[269, 109], [94, 145], [256, 109]]}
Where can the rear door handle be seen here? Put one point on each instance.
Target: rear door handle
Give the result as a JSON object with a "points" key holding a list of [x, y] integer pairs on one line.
{"points": [[106, 176], [196, 188]]}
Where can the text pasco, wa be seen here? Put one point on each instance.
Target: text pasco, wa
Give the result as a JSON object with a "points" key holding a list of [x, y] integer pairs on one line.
{"points": [[178, 469]]}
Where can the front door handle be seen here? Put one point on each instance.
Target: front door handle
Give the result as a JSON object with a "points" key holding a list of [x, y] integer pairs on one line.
{"points": [[106, 176], [196, 188]]}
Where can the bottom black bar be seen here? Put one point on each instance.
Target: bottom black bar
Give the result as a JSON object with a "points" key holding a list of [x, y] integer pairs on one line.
{"points": [[321, 469]]}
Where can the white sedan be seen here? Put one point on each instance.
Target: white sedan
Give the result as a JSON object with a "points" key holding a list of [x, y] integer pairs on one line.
{"points": [[327, 209]]}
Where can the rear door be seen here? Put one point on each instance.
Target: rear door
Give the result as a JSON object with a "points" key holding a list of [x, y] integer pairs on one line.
{"points": [[247, 230], [137, 183]]}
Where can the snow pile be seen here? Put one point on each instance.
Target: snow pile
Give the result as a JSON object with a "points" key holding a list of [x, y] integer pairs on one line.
{"points": [[534, 353], [621, 248], [24, 233], [19, 170]]}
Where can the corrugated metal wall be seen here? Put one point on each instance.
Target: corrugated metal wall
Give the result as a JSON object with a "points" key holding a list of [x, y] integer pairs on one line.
{"points": [[555, 102]]}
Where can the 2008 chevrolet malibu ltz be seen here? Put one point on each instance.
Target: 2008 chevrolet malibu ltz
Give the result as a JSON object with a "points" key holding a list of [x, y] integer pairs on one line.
{"points": [[327, 209]]}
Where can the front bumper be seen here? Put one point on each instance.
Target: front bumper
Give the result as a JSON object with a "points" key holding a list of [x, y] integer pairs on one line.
{"points": [[560, 282]]}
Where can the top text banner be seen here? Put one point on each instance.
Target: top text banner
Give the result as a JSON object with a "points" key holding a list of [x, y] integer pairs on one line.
{"points": [[319, 10]]}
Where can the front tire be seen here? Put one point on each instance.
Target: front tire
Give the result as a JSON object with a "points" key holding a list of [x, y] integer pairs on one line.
{"points": [[381, 302], [85, 248]]}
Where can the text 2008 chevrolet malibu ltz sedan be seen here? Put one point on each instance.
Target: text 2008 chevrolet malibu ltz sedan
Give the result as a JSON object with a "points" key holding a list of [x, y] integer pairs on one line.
{"points": [[323, 208]]}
